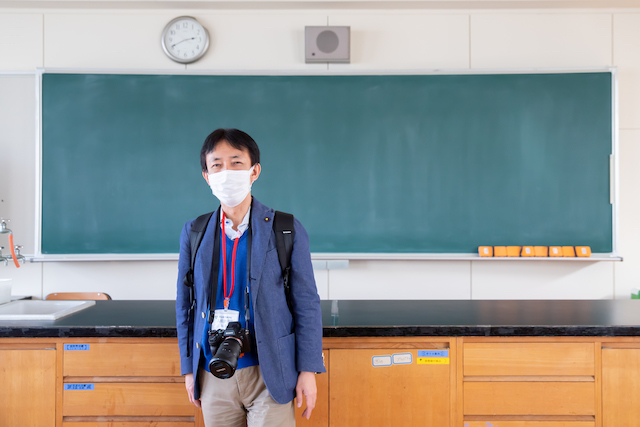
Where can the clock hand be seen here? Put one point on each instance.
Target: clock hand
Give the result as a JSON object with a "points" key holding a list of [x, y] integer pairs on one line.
{"points": [[175, 44]]}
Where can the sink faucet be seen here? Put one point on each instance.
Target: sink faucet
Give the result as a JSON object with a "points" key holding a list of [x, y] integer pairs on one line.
{"points": [[19, 257], [3, 259], [3, 226], [16, 257]]}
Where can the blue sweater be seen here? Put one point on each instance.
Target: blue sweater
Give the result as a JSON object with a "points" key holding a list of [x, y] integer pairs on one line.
{"points": [[237, 299]]}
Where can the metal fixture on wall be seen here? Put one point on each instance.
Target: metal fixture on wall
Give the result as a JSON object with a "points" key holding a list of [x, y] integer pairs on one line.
{"points": [[15, 256], [327, 44]]}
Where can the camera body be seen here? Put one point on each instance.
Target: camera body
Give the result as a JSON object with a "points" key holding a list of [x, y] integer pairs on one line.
{"points": [[226, 346]]}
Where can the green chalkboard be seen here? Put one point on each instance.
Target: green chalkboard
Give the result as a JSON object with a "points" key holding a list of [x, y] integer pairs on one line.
{"points": [[369, 164]]}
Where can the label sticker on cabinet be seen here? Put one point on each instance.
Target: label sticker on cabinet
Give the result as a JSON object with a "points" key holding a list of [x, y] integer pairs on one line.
{"points": [[76, 347], [433, 357], [378, 361], [433, 353], [79, 386], [402, 358], [433, 360]]}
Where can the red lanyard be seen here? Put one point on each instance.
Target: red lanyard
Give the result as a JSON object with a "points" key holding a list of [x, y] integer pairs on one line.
{"points": [[224, 265]]}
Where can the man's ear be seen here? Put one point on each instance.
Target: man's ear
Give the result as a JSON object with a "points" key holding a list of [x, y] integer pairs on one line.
{"points": [[205, 176], [255, 173]]}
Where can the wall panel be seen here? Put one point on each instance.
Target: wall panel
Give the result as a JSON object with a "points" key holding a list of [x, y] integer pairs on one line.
{"points": [[537, 40], [401, 280], [106, 40], [541, 280], [255, 41], [405, 41], [21, 42], [627, 273]]}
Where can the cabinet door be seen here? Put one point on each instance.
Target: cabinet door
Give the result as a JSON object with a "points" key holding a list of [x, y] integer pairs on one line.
{"points": [[28, 391], [320, 414], [369, 389], [620, 387]]}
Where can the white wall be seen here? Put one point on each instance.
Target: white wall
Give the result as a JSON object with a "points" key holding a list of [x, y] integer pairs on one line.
{"points": [[273, 39]]}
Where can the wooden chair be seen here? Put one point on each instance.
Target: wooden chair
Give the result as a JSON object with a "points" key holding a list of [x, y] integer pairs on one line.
{"points": [[78, 296]]}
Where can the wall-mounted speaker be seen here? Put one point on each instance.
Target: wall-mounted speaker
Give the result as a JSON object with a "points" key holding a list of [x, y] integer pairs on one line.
{"points": [[327, 44]]}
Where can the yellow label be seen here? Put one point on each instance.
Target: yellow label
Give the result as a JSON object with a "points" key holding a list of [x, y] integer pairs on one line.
{"points": [[433, 360]]}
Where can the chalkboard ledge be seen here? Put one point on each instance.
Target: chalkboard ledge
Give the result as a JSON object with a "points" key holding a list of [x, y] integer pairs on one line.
{"points": [[318, 258]]}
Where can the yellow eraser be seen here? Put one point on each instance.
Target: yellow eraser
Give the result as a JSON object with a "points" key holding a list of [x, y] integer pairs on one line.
{"points": [[485, 250], [542, 251], [568, 251], [527, 251], [513, 251], [555, 251], [583, 251], [499, 251]]}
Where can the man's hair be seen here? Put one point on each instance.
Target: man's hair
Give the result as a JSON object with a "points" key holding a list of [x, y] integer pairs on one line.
{"points": [[235, 138]]}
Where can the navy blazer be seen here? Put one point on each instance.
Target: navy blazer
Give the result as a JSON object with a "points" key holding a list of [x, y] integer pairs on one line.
{"points": [[282, 351]]}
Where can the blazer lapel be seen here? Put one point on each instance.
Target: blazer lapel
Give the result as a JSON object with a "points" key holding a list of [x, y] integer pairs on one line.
{"points": [[261, 226]]}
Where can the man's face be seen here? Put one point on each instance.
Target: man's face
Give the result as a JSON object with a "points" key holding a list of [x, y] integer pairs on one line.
{"points": [[225, 157]]}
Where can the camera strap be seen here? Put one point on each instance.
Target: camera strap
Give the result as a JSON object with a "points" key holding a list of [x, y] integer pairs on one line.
{"points": [[215, 271]]}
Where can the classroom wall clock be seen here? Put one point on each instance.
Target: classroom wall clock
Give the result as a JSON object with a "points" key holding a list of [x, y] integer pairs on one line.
{"points": [[185, 40]]}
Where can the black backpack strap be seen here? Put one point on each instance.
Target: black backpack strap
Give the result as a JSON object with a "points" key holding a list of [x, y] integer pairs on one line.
{"points": [[283, 228], [198, 228]]}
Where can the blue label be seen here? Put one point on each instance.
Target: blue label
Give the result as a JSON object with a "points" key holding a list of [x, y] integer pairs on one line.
{"points": [[433, 353], [79, 387], [76, 347]]}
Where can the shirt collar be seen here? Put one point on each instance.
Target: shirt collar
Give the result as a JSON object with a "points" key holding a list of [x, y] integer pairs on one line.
{"points": [[228, 225]]}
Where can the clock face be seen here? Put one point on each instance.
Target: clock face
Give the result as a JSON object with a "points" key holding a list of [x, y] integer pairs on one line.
{"points": [[184, 40]]}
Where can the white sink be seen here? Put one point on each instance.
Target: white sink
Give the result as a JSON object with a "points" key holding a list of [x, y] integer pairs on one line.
{"points": [[41, 310]]}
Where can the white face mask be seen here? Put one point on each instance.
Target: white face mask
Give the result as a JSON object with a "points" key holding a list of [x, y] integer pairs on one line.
{"points": [[231, 186]]}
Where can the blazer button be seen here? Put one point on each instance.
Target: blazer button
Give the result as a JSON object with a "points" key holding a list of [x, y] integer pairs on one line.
{"points": [[197, 345], [267, 219], [203, 314]]}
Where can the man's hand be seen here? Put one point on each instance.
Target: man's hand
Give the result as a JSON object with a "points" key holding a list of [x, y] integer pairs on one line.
{"points": [[188, 383], [306, 387]]}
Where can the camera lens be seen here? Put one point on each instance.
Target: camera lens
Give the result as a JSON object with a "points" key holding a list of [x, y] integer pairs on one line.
{"points": [[223, 365]]}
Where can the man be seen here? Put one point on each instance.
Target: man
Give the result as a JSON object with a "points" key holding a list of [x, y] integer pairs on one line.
{"points": [[286, 346]]}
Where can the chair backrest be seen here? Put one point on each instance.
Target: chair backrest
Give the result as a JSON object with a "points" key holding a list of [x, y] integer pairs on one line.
{"points": [[79, 296]]}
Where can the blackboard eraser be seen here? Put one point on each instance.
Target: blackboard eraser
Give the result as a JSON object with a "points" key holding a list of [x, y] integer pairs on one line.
{"points": [[583, 251], [513, 251], [485, 251], [500, 251], [568, 251], [528, 251], [555, 251], [541, 251]]}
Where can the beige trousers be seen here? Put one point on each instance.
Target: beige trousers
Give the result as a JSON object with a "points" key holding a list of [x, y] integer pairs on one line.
{"points": [[242, 400]]}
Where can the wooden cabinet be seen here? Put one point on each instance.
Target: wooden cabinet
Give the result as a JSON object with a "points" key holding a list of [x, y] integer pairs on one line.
{"points": [[501, 423], [27, 384], [115, 381], [484, 381], [388, 387], [547, 383], [320, 414], [620, 386]]}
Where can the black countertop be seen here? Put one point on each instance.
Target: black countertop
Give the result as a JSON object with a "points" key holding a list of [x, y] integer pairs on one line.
{"points": [[355, 318]]}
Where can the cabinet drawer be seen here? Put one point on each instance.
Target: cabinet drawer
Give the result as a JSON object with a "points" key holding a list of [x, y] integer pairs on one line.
{"points": [[141, 424], [529, 423], [495, 359], [122, 359], [152, 399], [364, 392], [529, 398]]}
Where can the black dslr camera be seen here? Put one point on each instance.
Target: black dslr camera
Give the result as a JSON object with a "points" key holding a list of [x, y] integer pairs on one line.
{"points": [[226, 346]]}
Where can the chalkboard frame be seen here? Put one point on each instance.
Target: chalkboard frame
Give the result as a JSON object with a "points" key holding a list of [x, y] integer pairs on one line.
{"points": [[324, 260]]}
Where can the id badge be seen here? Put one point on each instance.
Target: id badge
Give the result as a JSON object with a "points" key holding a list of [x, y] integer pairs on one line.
{"points": [[222, 317]]}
